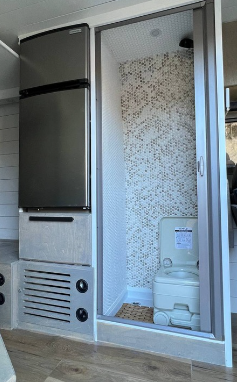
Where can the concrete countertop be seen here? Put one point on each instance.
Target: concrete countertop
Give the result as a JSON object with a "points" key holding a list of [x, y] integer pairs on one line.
{"points": [[7, 373]]}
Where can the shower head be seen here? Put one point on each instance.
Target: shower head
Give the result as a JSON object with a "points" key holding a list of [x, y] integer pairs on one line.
{"points": [[186, 43]]}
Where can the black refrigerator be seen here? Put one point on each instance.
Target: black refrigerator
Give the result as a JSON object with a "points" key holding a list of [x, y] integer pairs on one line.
{"points": [[54, 161]]}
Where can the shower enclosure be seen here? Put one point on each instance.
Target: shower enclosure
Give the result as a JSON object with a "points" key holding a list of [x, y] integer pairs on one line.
{"points": [[156, 155]]}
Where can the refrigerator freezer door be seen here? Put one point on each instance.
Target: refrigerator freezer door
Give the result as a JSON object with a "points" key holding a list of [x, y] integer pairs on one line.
{"points": [[54, 150], [55, 57]]}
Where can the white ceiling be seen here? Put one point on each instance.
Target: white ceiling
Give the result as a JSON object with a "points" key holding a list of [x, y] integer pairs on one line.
{"points": [[19, 17], [134, 41]]}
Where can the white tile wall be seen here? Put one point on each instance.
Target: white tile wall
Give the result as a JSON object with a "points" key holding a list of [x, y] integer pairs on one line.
{"points": [[9, 169], [114, 230]]}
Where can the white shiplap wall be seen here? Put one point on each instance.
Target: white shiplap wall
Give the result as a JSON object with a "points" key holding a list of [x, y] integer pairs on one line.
{"points": [[9, 169]]}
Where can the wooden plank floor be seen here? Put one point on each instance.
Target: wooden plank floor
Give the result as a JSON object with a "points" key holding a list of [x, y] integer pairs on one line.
{"points": [[43, 358]]}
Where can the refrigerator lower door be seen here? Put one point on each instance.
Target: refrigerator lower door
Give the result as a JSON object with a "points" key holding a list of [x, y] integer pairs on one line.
{"points": [[55, 150]]}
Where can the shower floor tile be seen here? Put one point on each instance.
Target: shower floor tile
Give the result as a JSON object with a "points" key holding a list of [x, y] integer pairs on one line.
{"points": [[136, 313]]}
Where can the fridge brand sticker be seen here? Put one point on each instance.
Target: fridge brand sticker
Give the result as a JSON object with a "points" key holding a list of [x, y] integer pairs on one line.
{"points": [[183, 238], [72, 31]]}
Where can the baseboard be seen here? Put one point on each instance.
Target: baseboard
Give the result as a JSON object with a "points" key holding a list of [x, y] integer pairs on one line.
{"points": [[140, 296], [161, 342], [117, 303], [54, 332]]}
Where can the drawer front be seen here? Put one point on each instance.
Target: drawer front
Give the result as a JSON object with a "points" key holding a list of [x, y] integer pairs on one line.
{"points": [[60, 238], [52, 295]]}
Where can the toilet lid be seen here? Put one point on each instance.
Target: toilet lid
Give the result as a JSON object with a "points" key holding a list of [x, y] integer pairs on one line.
{"points": [[179, 240]]}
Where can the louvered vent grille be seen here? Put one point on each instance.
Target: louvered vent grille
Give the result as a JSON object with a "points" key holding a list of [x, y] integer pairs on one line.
{"points": [[47, 295], [55, 296]]}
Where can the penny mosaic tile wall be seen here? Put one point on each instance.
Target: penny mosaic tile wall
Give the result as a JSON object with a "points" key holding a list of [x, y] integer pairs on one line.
{"points": [[159, 150]]}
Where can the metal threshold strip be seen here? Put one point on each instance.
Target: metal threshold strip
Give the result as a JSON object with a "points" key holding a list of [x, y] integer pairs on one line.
{"points": [[168, 329]]}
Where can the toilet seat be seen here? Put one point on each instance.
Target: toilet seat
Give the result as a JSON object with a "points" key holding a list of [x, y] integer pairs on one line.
{"points": [[183, 275]]}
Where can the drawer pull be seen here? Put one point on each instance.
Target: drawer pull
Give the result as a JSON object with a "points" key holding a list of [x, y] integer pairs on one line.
{"points": [[64, 219]]}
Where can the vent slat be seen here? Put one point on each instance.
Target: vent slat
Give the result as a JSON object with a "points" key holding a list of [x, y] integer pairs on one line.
{"points": [[45, 279], [53, 283], [48, 294], [52, 308], [47, 312], [47, 318], [41, 296], [48, 275], [42, 301], [49, 289]]}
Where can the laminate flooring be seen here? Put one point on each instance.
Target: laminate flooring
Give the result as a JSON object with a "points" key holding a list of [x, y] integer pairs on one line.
{"points": [[43, 358]]}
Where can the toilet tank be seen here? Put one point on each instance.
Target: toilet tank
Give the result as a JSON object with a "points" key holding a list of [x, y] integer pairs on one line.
{"points": [[179, 240]]}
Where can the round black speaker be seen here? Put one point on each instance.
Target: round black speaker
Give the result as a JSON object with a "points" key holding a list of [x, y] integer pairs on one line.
{"points": [[2, 279], [82, 286], [82, 314], [2, 298]]}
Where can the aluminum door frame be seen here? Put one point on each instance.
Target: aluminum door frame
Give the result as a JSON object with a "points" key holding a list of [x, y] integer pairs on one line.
{"points": [[215, 233], [208, 182], [202, 179]]}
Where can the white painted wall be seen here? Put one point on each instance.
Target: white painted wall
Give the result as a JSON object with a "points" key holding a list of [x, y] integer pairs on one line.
{"points": [[9, 168]]}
